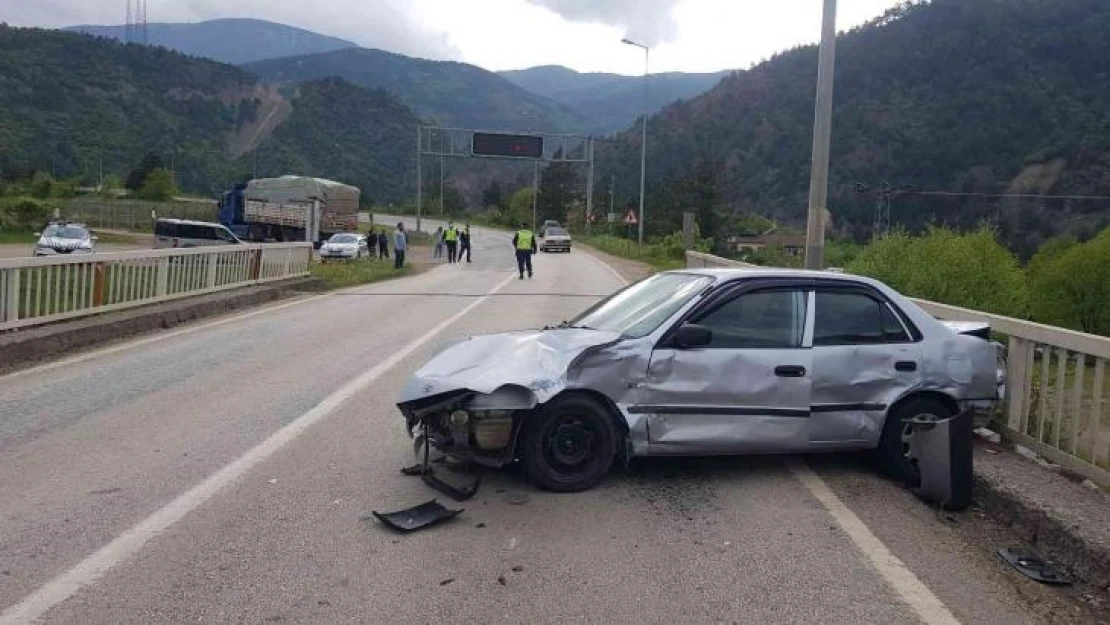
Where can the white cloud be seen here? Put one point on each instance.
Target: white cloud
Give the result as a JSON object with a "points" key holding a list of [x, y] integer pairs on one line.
{"points": [[686, 35]]}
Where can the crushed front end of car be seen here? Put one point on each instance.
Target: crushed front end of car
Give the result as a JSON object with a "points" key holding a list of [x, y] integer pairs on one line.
{"points": [[471, 400]]}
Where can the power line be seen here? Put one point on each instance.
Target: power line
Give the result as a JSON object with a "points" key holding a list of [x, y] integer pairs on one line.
{"points": [[1034, 196]]}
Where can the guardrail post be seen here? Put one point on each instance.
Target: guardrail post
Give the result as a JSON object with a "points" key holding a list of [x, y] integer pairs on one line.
{"points": [[210, 280], [1017, 381], [163, 279], [11, 295], [256, 264], [98, 285]]}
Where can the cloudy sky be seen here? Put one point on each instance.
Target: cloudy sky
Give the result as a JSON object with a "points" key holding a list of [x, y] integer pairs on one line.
{"points": [[686, 35]]}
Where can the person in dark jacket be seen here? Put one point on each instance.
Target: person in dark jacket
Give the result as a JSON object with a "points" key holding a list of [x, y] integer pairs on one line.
{"points": [[383, 244], [464, 243], [524, 242]]}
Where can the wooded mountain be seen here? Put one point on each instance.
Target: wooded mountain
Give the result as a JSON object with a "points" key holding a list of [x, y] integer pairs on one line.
{"points": [[230, 40], [610, 102], [71, 103], [967, 96], [445, 92]]}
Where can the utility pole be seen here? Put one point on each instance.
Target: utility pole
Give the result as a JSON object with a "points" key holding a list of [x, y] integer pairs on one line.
{"points": [[589, 183], [643, 139], [822, 130], [419, 177], [441, 186], [535, 191]]}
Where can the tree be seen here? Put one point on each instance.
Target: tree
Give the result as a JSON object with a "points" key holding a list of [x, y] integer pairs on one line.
{"points": [[158, 186], [492, 195], [559, 191], [520, 208], [1070, 284], [42, 185], [971, 270], [137, 177]]}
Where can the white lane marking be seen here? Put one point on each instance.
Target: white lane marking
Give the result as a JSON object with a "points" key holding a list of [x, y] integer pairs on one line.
{"points": [[911, 590], [621, 279], [159, 337], [132, 540]]}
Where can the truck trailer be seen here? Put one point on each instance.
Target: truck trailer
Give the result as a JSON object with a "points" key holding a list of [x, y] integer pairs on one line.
{"points": [[289, 208]]}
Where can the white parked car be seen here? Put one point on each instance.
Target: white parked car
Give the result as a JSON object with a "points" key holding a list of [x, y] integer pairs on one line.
{"points": [[65, 238], [345, 245], [555, 239]]}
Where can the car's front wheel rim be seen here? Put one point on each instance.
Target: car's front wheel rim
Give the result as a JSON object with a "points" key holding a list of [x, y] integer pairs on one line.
{"points": [[569, 443]]}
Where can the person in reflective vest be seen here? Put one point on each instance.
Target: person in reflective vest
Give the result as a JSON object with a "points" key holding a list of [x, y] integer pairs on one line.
{"points": [[451, 237], [524, 241]]}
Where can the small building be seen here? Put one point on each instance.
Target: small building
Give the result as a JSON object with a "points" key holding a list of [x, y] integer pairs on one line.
{"points": [[787, 244]]}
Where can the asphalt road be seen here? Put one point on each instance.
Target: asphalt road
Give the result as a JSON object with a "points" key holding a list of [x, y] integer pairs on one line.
{"points": [[226, 473]]}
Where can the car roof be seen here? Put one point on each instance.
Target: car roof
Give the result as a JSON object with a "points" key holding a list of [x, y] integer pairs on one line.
{"points": [[735, 273], [190, 222]]}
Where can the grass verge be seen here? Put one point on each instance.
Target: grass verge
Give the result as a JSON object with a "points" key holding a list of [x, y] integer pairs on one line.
{"points": [[657, 256], [338, 274], [8, 237]]}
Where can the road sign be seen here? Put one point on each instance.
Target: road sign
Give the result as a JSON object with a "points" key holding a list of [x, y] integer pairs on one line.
{"points": [[506, 145], [591, 218], [630, 217], [612, 217]]}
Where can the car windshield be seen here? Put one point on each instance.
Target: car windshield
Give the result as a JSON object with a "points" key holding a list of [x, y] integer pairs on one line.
{"points": [[65, 232], [639, 309], [344, 238], [556, 232]]}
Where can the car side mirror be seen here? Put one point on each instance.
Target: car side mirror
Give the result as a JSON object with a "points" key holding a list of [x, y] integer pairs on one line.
{"points": [[692, 335]]}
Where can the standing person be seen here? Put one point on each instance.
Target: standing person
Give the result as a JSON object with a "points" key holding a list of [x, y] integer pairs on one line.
{"points": [[437, 253], [464, 243], [524, 241], [451, 237], [383, 244], [400, 245]]}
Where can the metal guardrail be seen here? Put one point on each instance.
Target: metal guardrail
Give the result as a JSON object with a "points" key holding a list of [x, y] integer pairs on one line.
{"points": [[1056, 385], [36, 291]]}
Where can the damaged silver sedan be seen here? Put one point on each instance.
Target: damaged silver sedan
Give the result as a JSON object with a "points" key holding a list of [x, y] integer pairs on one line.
{"points": [[704, 362]]}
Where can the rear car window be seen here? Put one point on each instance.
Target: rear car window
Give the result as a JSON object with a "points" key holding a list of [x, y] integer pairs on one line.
{"points": [[846, 318]]}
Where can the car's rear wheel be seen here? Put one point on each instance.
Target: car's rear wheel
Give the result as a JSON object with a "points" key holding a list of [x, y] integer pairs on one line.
{"points": [[893, 454], [569, 445]]}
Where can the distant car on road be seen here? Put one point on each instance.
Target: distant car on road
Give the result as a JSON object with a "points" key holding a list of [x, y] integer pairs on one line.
{"points": [[65, 238], [185, 233], [705, 362], [555, 239], [550, 223], [345, 245]]}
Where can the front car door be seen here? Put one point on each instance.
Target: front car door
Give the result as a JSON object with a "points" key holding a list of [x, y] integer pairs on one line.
{"points": [[748, 390], [864, 359]]}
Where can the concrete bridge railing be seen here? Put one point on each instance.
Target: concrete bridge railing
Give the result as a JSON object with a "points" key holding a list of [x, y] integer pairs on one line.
{"points": [[36, 291]]}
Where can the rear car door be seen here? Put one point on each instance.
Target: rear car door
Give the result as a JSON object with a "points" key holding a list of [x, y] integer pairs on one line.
{"points": [[864, 359], [747, 390]]}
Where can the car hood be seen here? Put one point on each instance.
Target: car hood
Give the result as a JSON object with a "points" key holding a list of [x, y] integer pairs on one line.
{"points": [[58, 242], [537, 360]]}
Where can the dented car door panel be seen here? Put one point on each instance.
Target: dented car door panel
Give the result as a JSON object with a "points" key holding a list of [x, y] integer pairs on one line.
{"points": [[748, 391]]}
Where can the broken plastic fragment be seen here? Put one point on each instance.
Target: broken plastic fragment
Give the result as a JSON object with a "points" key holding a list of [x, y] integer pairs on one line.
{"points": [[417, 517], [1032, 566]]}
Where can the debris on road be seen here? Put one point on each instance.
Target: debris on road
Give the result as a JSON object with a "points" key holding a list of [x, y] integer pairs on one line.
{"points": [[447, 581], [417, 517], [501, 580], [1032, 566], [988, 435]]}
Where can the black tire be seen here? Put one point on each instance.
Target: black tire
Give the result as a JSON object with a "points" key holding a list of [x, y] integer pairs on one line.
{"points": [[569, 445], [892, 453]]}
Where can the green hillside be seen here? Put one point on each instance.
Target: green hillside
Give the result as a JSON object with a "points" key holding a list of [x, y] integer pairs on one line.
{"points": [[967, 96], [447, 92], [235, 40], [610, 102], [77, 105]]}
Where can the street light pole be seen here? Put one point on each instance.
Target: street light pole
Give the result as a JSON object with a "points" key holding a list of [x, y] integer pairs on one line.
{"points": [[643, 138], [822, 130]]}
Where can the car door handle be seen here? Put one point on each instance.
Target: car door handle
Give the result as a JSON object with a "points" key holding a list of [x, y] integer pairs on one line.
{"points": [[905, 365], [790, 371]]}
